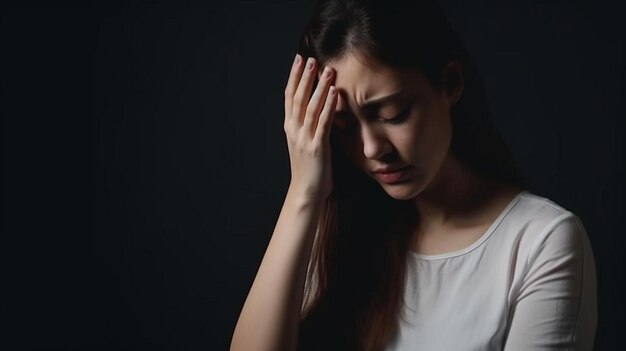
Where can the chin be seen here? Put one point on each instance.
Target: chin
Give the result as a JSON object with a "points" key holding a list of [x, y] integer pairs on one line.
{"points": [[400, 191]]}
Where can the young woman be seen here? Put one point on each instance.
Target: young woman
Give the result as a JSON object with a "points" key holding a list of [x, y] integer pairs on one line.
{"points": [[406, 225]]}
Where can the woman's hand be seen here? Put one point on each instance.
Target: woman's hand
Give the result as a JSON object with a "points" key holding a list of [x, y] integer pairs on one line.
{"points": [[307, 127]]}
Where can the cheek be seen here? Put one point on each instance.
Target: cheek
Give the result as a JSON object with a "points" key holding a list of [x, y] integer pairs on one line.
{"points": [[432, 139]]}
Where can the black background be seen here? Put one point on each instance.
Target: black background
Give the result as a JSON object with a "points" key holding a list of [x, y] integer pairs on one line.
{"points": [[144, 162]]}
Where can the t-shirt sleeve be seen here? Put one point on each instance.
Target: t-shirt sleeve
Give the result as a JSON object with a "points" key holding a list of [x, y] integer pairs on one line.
{"points": [[555, 306]]}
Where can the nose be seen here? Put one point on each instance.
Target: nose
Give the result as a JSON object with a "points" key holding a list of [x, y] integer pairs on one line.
{"points": [[375, 143]]}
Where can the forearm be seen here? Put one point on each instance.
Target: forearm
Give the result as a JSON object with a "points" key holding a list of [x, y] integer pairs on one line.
{"points": [[270, 316]]}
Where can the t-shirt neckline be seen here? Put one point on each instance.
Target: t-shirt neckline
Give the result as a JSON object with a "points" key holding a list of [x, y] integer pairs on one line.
{"points": [[480, 240]]}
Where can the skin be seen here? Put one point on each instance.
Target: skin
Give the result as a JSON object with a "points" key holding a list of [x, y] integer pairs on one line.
{"points": [[454, 204]]}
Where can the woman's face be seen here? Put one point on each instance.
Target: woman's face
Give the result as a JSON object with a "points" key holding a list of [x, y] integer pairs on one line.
{"points": [[417, 140]]}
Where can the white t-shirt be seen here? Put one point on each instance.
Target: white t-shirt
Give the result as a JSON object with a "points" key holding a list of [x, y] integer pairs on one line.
{"points": [[528, 283]]}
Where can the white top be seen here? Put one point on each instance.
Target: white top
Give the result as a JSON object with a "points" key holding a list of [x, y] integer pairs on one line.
{"points": [[528, 283]]}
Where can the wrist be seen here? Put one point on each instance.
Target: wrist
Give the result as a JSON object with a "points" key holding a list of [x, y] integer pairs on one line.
{"points": [[305, 198]]}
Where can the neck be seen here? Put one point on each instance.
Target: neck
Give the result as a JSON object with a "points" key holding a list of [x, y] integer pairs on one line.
{"points": [[453, 196]]}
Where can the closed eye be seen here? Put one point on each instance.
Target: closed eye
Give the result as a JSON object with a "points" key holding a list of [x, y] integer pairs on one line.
{"points": [[345, 123], [399, 118]]}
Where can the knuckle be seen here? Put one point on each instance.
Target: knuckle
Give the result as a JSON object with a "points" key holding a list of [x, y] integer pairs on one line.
{"points": [[288, 127]]}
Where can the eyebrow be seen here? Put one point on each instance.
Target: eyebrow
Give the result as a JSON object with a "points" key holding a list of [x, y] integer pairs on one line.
{"points": [[372, 103]]}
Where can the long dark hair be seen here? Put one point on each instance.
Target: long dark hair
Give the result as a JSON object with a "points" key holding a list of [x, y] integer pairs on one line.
{"points": [[355, 282]]}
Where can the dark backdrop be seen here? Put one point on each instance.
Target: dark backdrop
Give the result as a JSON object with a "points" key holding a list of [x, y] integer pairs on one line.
{"points": [[144, 162]]}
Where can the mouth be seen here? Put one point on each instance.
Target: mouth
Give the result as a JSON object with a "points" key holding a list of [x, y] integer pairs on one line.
{"points": [[391, 176]]}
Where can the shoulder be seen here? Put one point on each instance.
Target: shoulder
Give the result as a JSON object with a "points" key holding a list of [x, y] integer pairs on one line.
{"points": [[538, 209], [537, 233], [548, 238], [537, 219]]}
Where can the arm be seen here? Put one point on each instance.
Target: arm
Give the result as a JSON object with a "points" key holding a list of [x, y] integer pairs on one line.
{"points": [[270, 316], [556, 306]]}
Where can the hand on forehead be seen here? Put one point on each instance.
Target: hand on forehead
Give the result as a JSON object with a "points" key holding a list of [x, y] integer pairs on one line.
{"points": [[359, 82]]}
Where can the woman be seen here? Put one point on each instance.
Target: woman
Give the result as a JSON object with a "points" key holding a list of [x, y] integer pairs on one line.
{"points": [[406, 225]]}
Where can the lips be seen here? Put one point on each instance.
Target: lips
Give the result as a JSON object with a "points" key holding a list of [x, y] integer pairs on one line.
{"points": [[389, 169], [391, 175]]}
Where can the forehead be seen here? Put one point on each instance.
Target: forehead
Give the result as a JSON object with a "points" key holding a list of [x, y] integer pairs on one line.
{"points": [[357, 80]]}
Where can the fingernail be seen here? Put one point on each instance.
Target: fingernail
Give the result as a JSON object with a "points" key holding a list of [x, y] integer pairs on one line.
{"points": [[310, 63], [297, 59]]}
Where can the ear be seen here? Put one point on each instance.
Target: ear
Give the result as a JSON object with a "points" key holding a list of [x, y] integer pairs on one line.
{"points": [[453, 82]]}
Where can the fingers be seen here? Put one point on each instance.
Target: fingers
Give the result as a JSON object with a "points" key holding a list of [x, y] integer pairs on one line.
{"points": [[312, 114], [326, 116], [317, 101], [303, 92], [292, 85]]}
